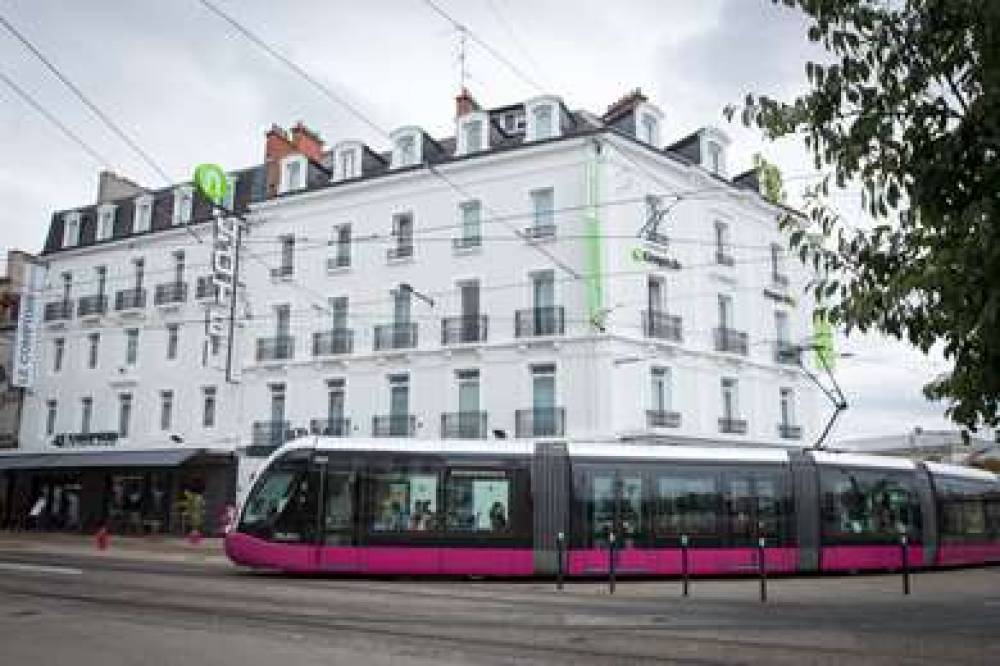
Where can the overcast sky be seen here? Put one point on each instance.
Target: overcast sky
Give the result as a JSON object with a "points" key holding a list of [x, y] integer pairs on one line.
{"points": [[190, 90]]}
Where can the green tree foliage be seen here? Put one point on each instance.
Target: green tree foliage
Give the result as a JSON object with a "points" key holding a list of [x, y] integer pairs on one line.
{"points": [[772, 185], [907, 103]]}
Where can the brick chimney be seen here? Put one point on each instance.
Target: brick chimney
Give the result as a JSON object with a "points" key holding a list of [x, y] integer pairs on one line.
{"points": [[307, 142], [465, 103], [625, 104]]}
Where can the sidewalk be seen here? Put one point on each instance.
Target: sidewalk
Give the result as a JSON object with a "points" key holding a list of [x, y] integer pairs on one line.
{"points": [[137, 548]]}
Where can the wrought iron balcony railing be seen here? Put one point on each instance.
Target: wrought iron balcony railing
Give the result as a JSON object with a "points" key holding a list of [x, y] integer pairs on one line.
{"points": [[789, 431], [332, 342], [660, 418], [540, 231], [401, 251], [331, 427], [95, 304], [58, 310], [467, 242], [732, 426], [661, 325], [540, 422], [397, 335], [463, 425], [278, 348], [394, 425], [535, 322], [787, 353], [463, 328], [170, 292], [724, 258], [130, 299], [268, 435], [731, 340]]}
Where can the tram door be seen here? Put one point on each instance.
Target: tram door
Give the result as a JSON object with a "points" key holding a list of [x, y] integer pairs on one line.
{"points": [[616, 503], [338, 532]]}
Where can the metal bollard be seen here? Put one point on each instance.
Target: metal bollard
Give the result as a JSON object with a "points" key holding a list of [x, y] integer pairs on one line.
{"points": [[762, 567], [611, 563], [560, 554], [904, 549], [684, 564]]}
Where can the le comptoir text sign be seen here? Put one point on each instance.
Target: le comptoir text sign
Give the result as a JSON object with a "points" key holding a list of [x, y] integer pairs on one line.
{"points": [[103, 438]]}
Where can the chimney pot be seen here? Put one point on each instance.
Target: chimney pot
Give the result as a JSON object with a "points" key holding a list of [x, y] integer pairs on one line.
{"points": [[307, 142]]}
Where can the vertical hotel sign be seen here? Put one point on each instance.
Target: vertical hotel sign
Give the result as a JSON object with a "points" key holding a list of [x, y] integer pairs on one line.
{"points": [[212, 184], [28, 320]]}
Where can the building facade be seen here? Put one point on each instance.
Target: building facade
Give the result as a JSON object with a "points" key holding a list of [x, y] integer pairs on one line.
{"points": [[544, 273]]}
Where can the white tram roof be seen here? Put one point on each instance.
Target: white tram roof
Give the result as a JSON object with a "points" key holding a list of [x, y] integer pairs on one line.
{"points": [[670, 452], [442, 446], [964, 472], [862, 460]]}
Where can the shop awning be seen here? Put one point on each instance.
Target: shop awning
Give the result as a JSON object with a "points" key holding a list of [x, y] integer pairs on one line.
{"points": [[80, 459]]}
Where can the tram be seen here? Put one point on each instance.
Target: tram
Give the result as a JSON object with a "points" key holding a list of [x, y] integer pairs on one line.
{"points": [[513, 508]]}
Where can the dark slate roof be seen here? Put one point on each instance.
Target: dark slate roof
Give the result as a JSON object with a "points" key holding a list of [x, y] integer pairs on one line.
{"points": [[252, 182]]}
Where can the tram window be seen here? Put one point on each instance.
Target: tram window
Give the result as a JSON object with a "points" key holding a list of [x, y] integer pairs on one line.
{"points": [[283, 507], [610, 492], [686, 505], [993, 515], [867, 506], [963, 509], [755, 507], [602, 505], [404, 502], [339, 503], [478, 500], [269, 498], [630, 518]]}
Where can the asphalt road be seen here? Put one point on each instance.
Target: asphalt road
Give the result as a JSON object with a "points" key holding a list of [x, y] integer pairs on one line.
{"points": [[90, 611]]}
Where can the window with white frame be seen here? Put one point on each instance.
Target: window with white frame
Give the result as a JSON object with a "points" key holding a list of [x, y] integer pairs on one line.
{"points": [[472, 224], [124, 414], [405, 148], [58, 352], [730, 398], [105, 221], [473, 130], [661, 396], [71, 229], [542, 118], [649, 129], [787, 405], [293, 173], [402, 230], [93, 345], [166, 409], [173, 340], [347, 161], [715, 161], [723, 247], [543, 213], [50, 417], [86, 414], [183, 204], [142, 219], [341, 242], [131, 346], [208, 407]]}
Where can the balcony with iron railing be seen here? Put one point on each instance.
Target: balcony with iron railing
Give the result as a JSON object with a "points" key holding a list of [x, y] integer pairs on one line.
{"points": [[338, 261], [540, 422], [537, 322], [787, 353], [400, 252], [333, 342], [266, 436], [662, 418], [732, 426], [130, 299], [394, 425], [731, 341], [540, 232], [170, 292], [277, 348], [397, 335], [205, 288], [660, 325], [89, 306], [456, 330], [331, 427], [723, 258], [789, 431], [58, 310], [283, 271], [462, 243], [779, 279], [463, 425]]}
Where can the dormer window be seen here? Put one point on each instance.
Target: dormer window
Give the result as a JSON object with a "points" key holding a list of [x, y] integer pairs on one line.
{"points": [[713, 151], [71, 229], [543, 118], [472, 133], [293, 174], [648, 119], [183, 204], [105, 221], [143, 219], [347, 160], [405, 147]]}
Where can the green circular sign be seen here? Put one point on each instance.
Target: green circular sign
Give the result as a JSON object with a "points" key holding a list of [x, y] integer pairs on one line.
{"points": [[211, 181]]}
